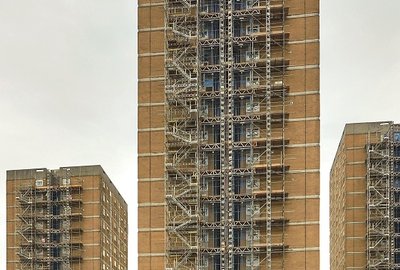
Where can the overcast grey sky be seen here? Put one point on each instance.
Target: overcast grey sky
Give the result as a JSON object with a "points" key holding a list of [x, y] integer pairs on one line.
{"points": [[68, 87]]}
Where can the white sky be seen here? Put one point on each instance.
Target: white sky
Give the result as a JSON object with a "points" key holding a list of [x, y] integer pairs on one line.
{"points": [[68, 87]]}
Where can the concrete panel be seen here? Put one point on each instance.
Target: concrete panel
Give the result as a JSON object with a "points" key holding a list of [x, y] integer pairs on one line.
{"points": [[151, 42], [153, 66], [356, 155], [151, 192], [303, 28], [301, 184], [301, 236], [303, 157], [303, 106], [356, 244], [151, 167], [303, 54], [302, 260], [294, 132], [150, 17], [356, 185], [302, 210], [356, 170], [302, 6], [151, 92], [151, 217], [353, 215], [356, 260], [302, 80], [151, 263], [151, 117], [150, 141], [356, 230], [151, 242], [356, 140], [356, 200]]}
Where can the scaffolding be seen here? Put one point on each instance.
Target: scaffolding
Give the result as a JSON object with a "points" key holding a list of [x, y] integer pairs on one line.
{"points": [[383, 200], [49, 210], [225, 162]]}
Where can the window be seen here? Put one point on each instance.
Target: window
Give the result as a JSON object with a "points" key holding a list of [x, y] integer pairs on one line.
{"points": [[236, 211], [237, 156], [255, 210], [250, 55], [237, 107], [252, 29], [205, 210], [204, 185], [217, 134], [236, 237], [397, 197], [217, 262], [396, 136], [237, 132], [237, 185], [396, 182], [252, 235], [216, 187], [217, 212], [254, 134], [204, 110], [254, 262], [205, 261], [236, 262], [205, 135], [205, 161], [217, 238], [252, 82], [205, 237], [251, 159], [397, 227], [397, 151], [66, 181], [39, 183], [397, 242], [217, 160]]}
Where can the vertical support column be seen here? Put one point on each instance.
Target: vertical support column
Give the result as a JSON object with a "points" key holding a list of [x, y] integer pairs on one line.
{"points": [[268, 127], [229, 123], [225, 213]]}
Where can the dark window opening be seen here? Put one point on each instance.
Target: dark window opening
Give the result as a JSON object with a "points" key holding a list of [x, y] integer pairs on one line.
{"points": [[55, 195], [236, 237], [397, 197], [55, 209], [217, 238], [236, 262], [237, 156], [396, 182], [397, 242], [236, 211], [216, 187], [55, 224], [397, 257], [396, 211], [55, 237], [397, 227], [55, 266], [217, 212], [217, 262], [217, 161], [237, 185]]}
